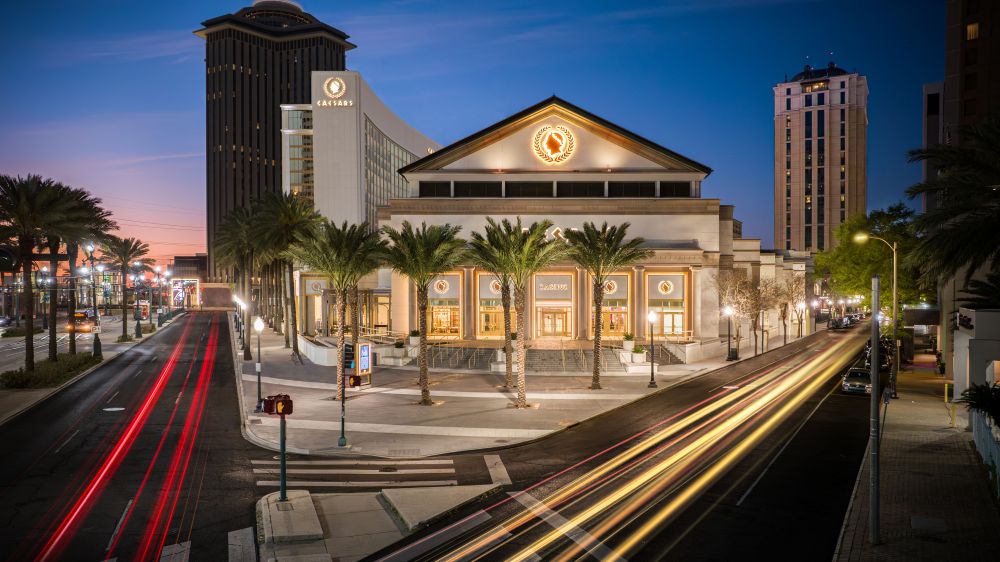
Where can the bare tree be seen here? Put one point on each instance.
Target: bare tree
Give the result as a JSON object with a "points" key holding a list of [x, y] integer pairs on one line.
{"points": [[788, 293], [735, 290], [763, 297]]}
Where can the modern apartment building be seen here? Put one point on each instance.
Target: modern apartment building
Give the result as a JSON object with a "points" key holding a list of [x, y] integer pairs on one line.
{"points": [[820, 155], [255, 60]]}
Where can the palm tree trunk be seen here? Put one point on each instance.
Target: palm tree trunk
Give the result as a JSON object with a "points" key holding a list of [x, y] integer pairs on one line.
{"points": [[27, 246], [355, 317], [246, 312], [520, 301], [425, 391], [279, 306], [124, 273], [293, 324], [341, 340], [595, 381], [53, 298], [71, 250], [505, 303], [284, 305]]}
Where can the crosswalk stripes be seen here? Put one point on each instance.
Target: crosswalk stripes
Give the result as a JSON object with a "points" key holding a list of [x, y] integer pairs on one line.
{"points": [[334, 473]]}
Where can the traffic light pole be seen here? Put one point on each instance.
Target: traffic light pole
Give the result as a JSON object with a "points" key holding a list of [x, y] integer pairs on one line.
{"points": [[282, 492]]}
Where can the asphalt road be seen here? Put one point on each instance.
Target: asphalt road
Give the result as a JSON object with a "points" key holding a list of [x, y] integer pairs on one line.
{"points": [[142, 453], [753, 508]]}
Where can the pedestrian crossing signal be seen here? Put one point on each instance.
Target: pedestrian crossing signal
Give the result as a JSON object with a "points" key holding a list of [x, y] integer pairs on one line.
{"points": [[280, 404]]}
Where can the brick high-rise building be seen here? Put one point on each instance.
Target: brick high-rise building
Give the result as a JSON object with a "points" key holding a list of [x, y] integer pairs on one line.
{"points": [[820, 155], [255, 60]]}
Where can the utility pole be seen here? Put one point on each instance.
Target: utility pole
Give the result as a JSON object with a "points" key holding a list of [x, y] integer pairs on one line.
{"points": [[873, 429]]}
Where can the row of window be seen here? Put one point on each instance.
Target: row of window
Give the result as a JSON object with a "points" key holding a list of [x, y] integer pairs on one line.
{"points": [[545, 189], [820, 97]]}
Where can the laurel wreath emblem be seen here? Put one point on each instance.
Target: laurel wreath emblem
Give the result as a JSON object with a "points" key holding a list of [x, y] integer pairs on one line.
{"points": [[338, 91], [540, 149]]}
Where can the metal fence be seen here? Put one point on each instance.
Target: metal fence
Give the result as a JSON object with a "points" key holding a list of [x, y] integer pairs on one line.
{"points": [[986, 436]]}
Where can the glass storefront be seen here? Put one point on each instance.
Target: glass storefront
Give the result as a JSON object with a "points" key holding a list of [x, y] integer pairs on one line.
{"points": [[444, 310], [554, 304], [666, 295], [490, 321], [615, 309]]}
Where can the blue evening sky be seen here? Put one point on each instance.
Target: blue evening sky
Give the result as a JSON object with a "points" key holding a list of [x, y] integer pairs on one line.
{"points": [[109, 95]]}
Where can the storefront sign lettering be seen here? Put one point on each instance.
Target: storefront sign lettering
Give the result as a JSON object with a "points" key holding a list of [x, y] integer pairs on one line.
{"points": [[553, 286]]}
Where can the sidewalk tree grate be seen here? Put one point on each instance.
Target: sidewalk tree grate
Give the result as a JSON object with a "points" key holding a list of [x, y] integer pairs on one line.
{"points": [[388, 469]]}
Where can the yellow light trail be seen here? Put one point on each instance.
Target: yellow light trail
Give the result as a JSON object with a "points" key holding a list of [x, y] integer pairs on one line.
{"points": [[788, 382]]}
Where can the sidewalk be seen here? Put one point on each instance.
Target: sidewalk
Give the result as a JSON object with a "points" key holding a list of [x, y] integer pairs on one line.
{"points": [[472, 410], [935, 497]]}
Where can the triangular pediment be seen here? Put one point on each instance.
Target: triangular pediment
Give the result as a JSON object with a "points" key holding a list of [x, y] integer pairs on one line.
{"points": [[555, 136]]}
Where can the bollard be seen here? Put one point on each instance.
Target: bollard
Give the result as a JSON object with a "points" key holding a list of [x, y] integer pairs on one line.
{"points": [[138, 329], [97, 346]]}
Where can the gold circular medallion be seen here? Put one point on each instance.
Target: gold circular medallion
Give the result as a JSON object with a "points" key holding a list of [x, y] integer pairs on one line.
{"points": [[665, 287], [610, 287], [441, 286], [554, 144], [334, 87]]}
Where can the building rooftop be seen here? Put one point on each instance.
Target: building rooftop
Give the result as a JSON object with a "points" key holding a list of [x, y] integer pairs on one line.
{"points": [[810, 73], [273, 18]]}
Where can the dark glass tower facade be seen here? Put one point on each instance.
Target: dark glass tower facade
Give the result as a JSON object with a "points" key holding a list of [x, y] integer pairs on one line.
{"points": [[255, 60]]}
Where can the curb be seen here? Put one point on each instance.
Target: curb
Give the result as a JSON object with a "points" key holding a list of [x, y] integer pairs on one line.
{"points": [[108, 358], [337, 452]]}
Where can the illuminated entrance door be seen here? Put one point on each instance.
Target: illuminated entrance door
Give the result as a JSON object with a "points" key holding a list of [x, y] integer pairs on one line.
{"points": [[444, 321], [553, 322], [669, 323]]}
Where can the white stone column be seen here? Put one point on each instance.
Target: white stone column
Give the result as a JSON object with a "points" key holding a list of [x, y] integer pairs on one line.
{"points": [[639, 322], [468, 313]]}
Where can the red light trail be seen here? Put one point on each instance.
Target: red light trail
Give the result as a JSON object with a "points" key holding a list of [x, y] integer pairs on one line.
{"points": [[57, 540]]}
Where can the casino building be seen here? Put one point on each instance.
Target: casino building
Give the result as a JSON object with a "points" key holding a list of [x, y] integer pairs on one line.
{"points": [[558, 161], [554, 161]]}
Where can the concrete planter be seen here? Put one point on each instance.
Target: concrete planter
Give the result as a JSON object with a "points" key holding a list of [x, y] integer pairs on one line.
{"points": [[627, 345], [398, 352], [414, 340], [639, 357]]}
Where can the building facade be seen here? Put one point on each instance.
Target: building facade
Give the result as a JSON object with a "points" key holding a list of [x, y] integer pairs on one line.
{"points": [[255, 60], [560, 162], [820, 156], [343, 150]]}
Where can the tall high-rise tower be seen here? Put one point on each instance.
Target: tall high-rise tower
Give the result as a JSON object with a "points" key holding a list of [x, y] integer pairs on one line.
{"points": [[255, 60], [820, 155]]}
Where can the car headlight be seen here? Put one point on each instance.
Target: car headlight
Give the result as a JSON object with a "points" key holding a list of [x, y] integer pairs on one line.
{"points": [[868, 388]]}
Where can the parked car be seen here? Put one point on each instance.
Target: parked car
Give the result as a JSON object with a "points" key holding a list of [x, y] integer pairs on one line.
{"points": [[857, 381], [5, 321]]}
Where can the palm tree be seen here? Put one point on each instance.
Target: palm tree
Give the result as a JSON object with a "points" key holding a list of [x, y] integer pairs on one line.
{"points": [[280, 220], [983, 293], [493, 252], [344, 254], [422, 254], [531, 254], [234, 242], [83, 216], [601, 253], [960, 232], [122, 253], [30, 207], [96, 225]]}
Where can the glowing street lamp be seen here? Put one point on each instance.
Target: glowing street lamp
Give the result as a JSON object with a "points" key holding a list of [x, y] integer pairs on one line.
{"points": [[728, 313], [861, 238], [258, 326]]}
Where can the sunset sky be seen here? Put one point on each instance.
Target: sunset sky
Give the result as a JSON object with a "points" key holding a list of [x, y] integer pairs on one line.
{"points": [[109, 95]]}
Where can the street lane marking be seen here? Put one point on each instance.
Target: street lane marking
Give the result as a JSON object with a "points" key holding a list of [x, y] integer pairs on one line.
{"points": [[56, 452], [118, 527], [384, 484], [596, 548], [359, 463], [274, 471], [498, 472], [491, 432], [731, 387], [114, 409], [112, 397], [782, 450]]}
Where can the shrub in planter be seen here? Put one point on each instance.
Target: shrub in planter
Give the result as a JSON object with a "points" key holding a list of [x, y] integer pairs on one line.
{"points": [[19, 332], [123, 339], [147, 329], [399, 344], [984, 398], [398, 348], [638, 354], [628, 341], [414, 337], [48, 373]]}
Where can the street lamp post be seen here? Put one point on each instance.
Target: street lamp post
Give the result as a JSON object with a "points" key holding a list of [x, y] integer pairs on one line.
{"points": [[258, 326], [652, 350], [728, 313], [861, 238]]}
